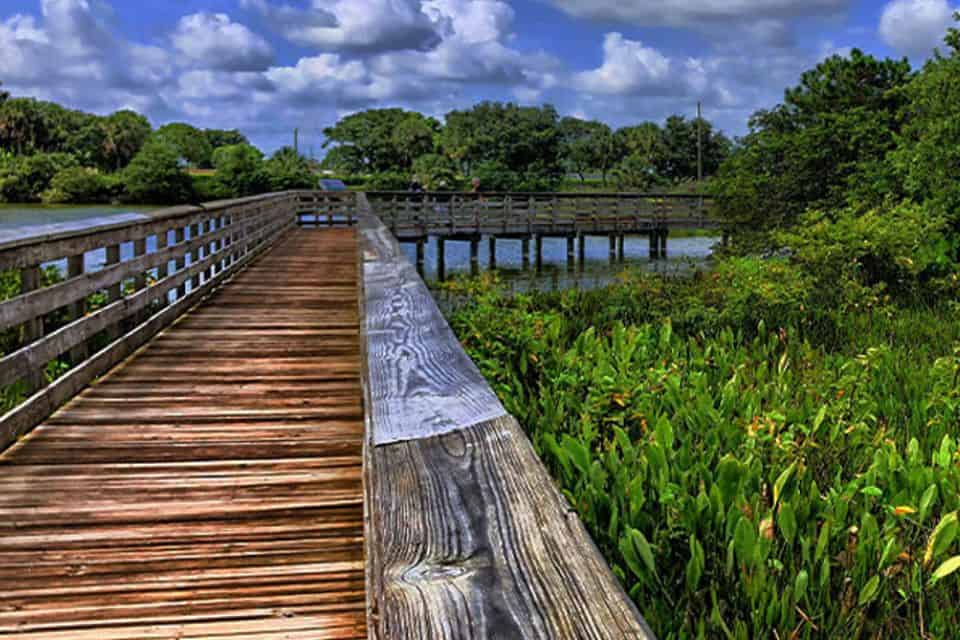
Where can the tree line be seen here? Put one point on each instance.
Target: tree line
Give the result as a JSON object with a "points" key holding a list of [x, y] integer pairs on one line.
{"points": [[858, 138], [52, 154], [505, 147]]}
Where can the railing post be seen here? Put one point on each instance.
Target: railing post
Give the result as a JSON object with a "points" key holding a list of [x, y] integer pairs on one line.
{"points": [[75, 268], [30, 279], [114, 292]]}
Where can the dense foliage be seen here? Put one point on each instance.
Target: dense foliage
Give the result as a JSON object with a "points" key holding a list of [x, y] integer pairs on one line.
{"points": [[856, 133], [507, 147], [763, 451], [56, 155]]}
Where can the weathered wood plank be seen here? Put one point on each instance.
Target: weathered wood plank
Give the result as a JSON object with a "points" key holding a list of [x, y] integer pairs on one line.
{"points": [[470, 539], [421, 381], [24, 417]]}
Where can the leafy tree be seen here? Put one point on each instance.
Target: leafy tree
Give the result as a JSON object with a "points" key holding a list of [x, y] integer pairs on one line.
{"points": [[287, 169], [221, 138], [240, 170], [25, 178], [382, 139], [928, 154], [834, 130], [588, 145], [154, 176], [4, 95], [124, 135], [343, 159], [523, 141], [78, 185], [189, 141], [495, 176], [24, 128], [636, 172], [677, 157], [435, 172]]}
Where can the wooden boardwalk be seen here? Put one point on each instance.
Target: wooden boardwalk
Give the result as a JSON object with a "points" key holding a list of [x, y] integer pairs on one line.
{"points": [[211, 485]]}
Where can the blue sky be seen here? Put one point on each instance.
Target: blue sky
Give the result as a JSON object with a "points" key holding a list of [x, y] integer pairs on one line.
{"points": [[267, 66]]}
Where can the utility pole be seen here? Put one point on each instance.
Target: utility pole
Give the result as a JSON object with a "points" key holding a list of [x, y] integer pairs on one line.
{"points": [[699, 144], [700, 157], [296, 140]]}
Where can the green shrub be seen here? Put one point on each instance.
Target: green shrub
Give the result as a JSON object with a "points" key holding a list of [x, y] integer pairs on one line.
{"points": [[155, 176], [240, 170], [25, 178], [389, 181], [78, 185]]}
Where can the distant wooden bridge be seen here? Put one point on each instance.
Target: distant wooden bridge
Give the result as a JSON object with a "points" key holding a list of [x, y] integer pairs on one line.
{"points": [[259, 425], [468, 217]]}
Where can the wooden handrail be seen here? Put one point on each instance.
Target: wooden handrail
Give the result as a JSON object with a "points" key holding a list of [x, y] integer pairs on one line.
{"points": [[467, 536]]}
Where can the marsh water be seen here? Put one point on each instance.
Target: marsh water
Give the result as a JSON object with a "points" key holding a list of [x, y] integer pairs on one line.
{"points": [[684, 253]]}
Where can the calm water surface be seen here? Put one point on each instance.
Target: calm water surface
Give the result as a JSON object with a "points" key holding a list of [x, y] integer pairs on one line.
{"points": [[26, 221], [684, 255]]}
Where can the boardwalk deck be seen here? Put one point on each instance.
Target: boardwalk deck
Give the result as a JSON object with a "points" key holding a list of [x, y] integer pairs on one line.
{"points": [[211, 485]]}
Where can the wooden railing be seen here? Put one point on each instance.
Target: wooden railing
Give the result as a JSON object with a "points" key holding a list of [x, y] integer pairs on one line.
{"points": [[154, 268], [410, 214], [467, 535]]}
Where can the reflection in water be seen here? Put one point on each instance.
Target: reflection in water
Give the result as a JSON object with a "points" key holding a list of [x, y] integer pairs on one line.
{"points": [[684, 255]]}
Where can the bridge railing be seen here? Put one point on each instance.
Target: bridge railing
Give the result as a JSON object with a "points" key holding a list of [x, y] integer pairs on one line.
{"points": [[412, 214], [88, 299]]}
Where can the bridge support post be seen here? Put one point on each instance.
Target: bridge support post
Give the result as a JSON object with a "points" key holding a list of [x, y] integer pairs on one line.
{"points": [[525, 251], [420, 255], [663, 243], [441, 259], [570, 254], [654, 244], [474, 256], [492, 243], [179, 237], [613, 248], [581, 250], [538, 242], [621, 252]]}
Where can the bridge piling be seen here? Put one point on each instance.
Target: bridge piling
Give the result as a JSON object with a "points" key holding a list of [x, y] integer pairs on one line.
{"points": [[441, 259], [474, 256], [493, 252], [663, 243], [525, 252], [538, 242], [654, 245], [570, 254], [581, 250], [421, 242], [621, 252], [613, 248]]}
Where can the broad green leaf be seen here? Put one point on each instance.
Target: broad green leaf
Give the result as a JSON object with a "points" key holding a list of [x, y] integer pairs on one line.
{"points": [[869, 591], [926, 502], [787, 520], [942, 537], [817, 421], [873, 492], [782, 481], [745, 541], [800, 584], [946, 569]]}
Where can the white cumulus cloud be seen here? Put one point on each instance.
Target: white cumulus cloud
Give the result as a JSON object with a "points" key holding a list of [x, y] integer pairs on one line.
{"points": [[214, 41], [916, 27]]}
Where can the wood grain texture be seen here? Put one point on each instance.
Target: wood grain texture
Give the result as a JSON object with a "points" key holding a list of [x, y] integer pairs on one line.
{"points": [[469, 539], [421, 382], [210, 486]]}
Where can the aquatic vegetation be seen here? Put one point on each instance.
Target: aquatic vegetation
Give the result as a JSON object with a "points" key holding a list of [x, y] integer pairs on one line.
{"points": [[745, 478]]}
